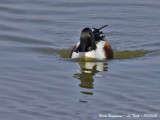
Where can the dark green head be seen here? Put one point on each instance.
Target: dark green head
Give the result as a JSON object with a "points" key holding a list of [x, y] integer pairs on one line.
{"points": [[87, 41]]}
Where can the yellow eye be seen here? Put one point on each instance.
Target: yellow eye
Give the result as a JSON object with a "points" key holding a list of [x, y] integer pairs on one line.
{"points": [[89, 35]]}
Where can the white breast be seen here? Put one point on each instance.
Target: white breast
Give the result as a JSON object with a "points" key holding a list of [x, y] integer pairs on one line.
{"points": [[97, 54]]}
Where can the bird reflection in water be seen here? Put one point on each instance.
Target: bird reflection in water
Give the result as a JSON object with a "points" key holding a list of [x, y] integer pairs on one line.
{"points": [[87, 72]]}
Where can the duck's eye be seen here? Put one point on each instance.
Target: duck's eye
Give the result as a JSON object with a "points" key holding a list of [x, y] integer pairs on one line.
{"points": [[89, 35]]}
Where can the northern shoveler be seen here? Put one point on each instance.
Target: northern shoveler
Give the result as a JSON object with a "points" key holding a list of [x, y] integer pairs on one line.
{"points": [[92, 45]]}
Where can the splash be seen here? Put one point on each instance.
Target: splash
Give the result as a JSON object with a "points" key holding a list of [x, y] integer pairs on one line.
{"points": [[126, 54], [65, 54]]}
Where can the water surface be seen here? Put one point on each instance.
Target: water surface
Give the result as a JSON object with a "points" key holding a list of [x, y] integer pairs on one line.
{"points": [[38, 81]]}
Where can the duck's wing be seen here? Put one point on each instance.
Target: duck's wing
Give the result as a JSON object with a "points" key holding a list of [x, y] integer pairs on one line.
{"points": [[108, 50]]}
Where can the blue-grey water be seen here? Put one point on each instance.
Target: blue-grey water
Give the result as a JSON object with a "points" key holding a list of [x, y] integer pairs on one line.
{"points": [[39, 82]]}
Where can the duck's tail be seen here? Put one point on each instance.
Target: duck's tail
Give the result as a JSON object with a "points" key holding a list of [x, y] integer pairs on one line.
{"points": [[95, 29], [98, 34]]}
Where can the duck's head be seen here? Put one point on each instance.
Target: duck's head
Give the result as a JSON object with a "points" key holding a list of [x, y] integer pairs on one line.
{"points": [[87, 41]]}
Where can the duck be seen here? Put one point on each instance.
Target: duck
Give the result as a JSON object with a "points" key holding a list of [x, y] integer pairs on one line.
{"points": [[92, 44]]}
